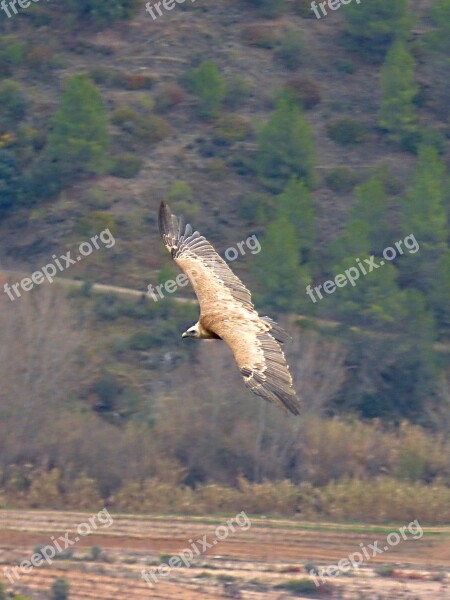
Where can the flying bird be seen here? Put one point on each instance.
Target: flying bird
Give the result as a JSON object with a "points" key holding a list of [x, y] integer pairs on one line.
{"points": [[227, 313]]}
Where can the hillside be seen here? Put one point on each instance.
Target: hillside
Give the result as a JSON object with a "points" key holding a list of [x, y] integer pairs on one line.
{"points": [[325, 139]]}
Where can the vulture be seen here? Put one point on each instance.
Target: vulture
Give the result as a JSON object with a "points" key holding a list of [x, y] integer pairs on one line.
{"points": [[227, 313]]}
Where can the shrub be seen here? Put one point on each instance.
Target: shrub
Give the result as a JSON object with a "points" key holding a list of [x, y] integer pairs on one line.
{"points": [[12, 104], [137, 82], [346, 66], [9, 180], [180, 191], [217, 169], [291, 49], [303, 90], [126, 165], [303, 8], [96, 221], [143, 340], [169, 96], [341, 180], [116, 78], [103, 13], [40, 58], [231, 128], [97, 198], [259, 36], [152, 129], [268, 8], [124, 114], [238, 90], [347, 131], [107, 76], [60, 589], [304, 587], [96, 553], [385, 571], [12, 51]]}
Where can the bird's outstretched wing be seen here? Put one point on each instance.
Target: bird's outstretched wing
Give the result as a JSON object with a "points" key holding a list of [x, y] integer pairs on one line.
{"points": [[226, 309], [210, 276], [261, 360]]}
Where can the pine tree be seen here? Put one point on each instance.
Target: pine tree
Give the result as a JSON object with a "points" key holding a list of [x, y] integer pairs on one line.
{"points": [[373, 26], [351, 244], [397, 112], [79, 138], [438, 63], [295, 202], [372, 207], [424, 216], [207, 83], [423, 208], [286, 148], [277, 267]]}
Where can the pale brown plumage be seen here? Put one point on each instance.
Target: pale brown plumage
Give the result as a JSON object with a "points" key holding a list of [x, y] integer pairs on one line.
{"points": [[227, 312]]}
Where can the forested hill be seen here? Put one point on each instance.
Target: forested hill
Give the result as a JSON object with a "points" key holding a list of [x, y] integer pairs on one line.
{"points": [[327, 139]]}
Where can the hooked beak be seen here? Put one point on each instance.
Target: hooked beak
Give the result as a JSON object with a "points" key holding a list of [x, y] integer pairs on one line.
{"points": [[185, 334]]}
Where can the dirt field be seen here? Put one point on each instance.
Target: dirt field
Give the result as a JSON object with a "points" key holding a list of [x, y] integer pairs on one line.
{"points": [[249, 564]]}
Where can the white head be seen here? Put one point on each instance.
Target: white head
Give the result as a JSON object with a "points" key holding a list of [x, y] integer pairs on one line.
{"points": [[192, 332]]}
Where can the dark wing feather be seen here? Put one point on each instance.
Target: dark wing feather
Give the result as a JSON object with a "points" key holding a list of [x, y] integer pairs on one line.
{"points": [[268, 376]]}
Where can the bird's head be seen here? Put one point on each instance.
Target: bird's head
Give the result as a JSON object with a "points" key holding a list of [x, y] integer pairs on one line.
{"points": [[192, 332]]}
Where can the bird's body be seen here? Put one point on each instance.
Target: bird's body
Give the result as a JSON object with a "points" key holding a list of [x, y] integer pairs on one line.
{"points": [[227, 313]]}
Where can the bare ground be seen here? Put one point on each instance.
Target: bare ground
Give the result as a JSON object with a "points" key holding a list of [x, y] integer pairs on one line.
{"points": [[248, 564]]}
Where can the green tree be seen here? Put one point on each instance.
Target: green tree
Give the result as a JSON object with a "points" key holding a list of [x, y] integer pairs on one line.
{"points": [[208, 85], [102, 13], [351, 244], [423, 209], [438, 42], [395, 373], [79, 138], [397, 112], [372, 27], [295, 203], [439, 39], [375, 299], [277, 267], [285, 148], [372, 207], [424, 216]]}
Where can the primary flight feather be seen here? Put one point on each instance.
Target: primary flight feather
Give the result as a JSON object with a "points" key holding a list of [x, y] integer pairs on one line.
{"points": [[227, 313]]}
